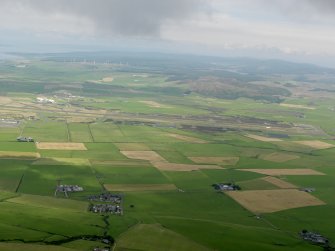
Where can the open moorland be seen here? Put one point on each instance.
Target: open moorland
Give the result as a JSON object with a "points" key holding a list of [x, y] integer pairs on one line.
{"points": [[159, 132]]}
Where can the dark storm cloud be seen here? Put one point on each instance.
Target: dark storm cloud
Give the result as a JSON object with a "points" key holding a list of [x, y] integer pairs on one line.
{"points": [[125, 17], [327, 6], [317, 8]]}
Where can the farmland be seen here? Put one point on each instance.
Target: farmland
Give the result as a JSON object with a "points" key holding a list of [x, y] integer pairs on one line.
{"points": [[151, 133]]}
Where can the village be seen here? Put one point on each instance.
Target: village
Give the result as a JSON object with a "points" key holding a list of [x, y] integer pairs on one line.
{"points": [[113, 204], [25, 139]]}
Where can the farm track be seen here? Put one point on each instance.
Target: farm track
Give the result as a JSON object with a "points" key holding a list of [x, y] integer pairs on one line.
{"points": [[68, 133], [90, 132], [19, 184]]}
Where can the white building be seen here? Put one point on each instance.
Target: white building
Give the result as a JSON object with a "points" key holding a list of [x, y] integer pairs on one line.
{"points": [[44, 100]]}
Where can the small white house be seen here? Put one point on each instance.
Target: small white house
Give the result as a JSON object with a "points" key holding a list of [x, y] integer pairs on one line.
{"points": [[44, 100]]}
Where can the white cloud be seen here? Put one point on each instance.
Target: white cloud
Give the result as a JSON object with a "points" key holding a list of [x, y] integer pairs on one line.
{"points": [[291, 27], [17, 17], [222, 31]]}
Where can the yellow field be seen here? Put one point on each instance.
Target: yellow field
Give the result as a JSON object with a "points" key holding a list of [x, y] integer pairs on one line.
{"points": [[62, 161], [262, 138], [81, 119], [154, 104], [139, 187], [228, 161], [298, 106], [316, 144], [278, 172], [279, 183], [60, 146], [5, 100], [138, 163], [143, 155], [278, 157], [165, 166], [292, 146], [268, 201], [16, 113], [107, 79], [19, 155], [187, 138], [132, 147]]}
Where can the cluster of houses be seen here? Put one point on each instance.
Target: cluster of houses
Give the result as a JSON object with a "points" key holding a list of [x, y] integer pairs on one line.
{"points": [[24, 139], [314, 238], [67, 189], [112, 206], [106, 208], [226, 187], [106, 197]]}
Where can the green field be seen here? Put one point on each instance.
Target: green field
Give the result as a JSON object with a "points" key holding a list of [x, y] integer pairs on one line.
{"points": [[161, 107]]}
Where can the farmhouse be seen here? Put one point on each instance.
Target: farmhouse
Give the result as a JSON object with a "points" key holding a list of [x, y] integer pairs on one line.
{"points": [[68, 189], [307, 189], [43, 100], [24, 139], [226, 187]]}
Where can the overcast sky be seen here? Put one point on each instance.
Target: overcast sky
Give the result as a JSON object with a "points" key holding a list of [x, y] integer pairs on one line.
{"points": [[302, 30]]}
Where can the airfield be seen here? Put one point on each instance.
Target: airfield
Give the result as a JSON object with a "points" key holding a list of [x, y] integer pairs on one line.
{"points": [[107, 132]]}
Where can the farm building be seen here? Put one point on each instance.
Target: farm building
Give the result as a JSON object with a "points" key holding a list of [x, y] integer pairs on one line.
{"points": [[307, 189], [226, 187], [68, 189], [315, 238], [45, 100], [24, 139]]}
